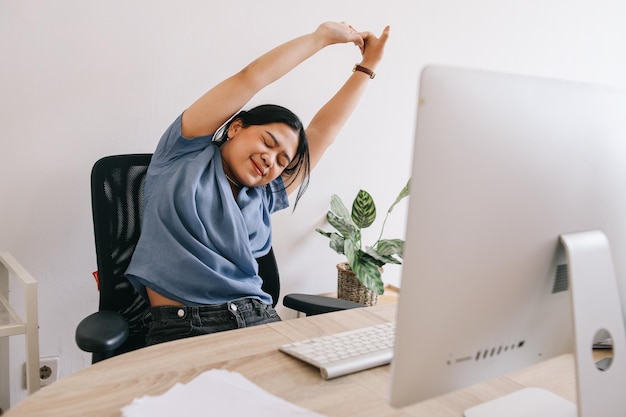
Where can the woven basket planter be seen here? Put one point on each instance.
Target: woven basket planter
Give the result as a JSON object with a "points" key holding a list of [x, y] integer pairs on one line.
{"points": [[350, 288]]}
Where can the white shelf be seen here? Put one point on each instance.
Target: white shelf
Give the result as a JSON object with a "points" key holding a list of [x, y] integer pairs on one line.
{"points": [[12, 324]]}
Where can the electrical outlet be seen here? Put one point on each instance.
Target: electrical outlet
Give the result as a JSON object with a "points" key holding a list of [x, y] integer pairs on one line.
{"points": [[48, 371]]}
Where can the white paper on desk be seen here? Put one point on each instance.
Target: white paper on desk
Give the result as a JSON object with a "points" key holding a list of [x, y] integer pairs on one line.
{"points": [[212, 392]]}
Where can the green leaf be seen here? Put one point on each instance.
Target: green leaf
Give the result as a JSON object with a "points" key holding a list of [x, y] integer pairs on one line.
{"points": [[365, 268], [339, 217], [350, 250], [323, 233], [403, 193], [369, 275], [363, 210], [379, 259], [389, 247], [336, 240], [337, 207], [337, 243], [346, 228]]}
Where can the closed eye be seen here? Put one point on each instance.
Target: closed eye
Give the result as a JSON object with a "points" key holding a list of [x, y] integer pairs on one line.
{"points": [[283, 162], [283, 159]]}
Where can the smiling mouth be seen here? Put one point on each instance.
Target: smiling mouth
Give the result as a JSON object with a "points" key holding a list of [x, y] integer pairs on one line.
{"points": [[257, 168]]}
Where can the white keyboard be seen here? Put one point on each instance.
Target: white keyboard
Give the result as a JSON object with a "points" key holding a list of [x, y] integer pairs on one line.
{"points": [[346, 352]]}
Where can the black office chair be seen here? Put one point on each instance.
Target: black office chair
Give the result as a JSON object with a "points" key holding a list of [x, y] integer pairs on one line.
{"points": [[119, 326]]}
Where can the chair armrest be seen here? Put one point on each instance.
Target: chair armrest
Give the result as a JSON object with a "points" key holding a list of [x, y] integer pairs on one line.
{"points": [[317, 304], [101, 332]]}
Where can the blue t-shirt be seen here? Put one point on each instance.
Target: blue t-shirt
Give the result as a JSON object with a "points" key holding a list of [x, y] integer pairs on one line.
{"points": [[199, 245]]}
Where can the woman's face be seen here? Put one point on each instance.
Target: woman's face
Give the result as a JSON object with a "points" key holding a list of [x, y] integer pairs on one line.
{"points": [[258, 154]]}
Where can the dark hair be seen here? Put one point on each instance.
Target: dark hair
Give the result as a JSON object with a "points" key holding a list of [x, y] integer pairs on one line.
{"points": [[271, 113]]}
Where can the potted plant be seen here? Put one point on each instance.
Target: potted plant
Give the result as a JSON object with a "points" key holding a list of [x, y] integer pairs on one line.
{"points": [[364, 263]]}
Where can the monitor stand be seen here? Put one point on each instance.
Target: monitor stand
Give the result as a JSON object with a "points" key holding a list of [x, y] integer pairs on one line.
{"points": [[597, 310]]}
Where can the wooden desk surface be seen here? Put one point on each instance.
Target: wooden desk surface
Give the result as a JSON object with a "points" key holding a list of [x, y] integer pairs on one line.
{"points": [[104, 388]]}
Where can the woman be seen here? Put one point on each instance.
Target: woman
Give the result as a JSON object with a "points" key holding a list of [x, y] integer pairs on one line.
{"points": [[216, 176]]}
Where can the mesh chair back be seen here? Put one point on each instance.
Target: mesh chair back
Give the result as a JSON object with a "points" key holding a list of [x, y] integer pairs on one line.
{"points": [[116, 187]]}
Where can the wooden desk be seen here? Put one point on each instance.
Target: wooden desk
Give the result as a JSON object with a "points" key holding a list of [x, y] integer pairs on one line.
{"points": [[102, 389]]}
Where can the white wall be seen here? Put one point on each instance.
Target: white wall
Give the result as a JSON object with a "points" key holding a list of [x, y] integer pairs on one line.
{"points": [[80, 80]]}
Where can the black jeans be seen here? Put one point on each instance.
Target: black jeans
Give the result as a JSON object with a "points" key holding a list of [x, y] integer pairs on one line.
{"points": [[172, 322]]}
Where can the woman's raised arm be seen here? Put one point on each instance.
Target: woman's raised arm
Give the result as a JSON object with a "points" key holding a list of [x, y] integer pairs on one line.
{"points": [[221, 102], [329, 120]]}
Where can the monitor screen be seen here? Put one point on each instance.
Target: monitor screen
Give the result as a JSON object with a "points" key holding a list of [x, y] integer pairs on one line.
{"points": [[504, 165]]}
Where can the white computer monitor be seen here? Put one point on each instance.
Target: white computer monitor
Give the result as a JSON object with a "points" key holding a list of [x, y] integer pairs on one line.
{"points": [[507, 171]]}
